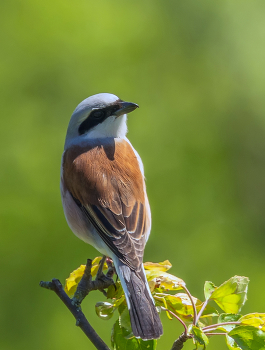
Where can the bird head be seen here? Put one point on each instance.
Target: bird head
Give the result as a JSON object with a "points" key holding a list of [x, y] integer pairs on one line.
{"points": [[99, 116]]}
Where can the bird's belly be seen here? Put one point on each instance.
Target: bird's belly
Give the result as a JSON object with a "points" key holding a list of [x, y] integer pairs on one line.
{"points": [[80, 225]]}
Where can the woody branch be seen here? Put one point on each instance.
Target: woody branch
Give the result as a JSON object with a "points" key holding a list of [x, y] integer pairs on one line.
{"points": [[85, 286]]}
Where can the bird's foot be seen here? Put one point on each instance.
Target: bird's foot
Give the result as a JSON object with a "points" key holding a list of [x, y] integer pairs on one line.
{"points": [[103, 281]]}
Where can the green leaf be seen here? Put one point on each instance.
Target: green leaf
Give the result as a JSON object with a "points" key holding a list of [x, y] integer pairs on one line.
{"points": [[125, 320], [228, 318], [199, 336], [115, 291], [122, 307], [209, 288], [232, 294], [120, 340], [248, 337], [232, 345], [256, 320]]}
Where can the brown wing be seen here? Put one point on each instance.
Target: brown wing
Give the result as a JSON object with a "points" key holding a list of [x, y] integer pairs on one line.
{"points": [[106, 182]]}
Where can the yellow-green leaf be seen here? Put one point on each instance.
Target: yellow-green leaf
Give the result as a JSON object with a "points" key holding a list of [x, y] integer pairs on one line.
{"points": [[163, 280], [232, 294], [181, 305], [72, 281], [162, 266], [256, 320]]}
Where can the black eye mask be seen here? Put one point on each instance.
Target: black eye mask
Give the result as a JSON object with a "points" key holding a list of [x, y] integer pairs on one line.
{"points": [[97, 116]]}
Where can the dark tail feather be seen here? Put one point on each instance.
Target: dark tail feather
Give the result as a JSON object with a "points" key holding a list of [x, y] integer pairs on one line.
{"points": [[145, 320]]}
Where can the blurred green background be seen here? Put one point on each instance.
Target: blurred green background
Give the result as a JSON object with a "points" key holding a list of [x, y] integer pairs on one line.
{"points": [[196, 68]]}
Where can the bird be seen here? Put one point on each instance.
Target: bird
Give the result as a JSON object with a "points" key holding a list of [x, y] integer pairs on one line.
{"points": [[105, 202]]}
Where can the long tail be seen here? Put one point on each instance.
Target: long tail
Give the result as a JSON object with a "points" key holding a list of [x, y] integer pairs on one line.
{"points": [[145, 320]]}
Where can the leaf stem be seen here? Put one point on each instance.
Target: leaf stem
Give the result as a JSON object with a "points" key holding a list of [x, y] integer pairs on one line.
{"points": [[214, 326], [209, 334], [192, 303], [178, 318], [202, 309]]}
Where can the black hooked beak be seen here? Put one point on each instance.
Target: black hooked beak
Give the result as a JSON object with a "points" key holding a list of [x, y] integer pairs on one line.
{"points": [[125, 107]]}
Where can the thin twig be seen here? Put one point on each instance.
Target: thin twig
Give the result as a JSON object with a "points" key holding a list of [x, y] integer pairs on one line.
{"points": [[214, 326], [192, 303], [209, 334], [178, 318], [201, 310], [81, 320]]}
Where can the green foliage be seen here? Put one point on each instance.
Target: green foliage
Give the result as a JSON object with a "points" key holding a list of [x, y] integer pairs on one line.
{"points": [[199, 319]]}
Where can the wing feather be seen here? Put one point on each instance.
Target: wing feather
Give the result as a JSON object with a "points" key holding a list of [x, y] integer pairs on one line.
{"points": [[110, 191]]}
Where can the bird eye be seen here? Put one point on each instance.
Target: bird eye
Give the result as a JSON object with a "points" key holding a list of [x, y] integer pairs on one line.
{"points": [[98, 114]]}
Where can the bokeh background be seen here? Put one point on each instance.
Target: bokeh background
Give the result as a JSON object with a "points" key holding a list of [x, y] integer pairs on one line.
{"points": [[196, 68]]}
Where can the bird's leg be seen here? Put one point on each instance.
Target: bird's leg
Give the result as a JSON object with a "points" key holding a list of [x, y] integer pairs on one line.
{"points": [[111, 267], [101, 278], [101, 266], [86, 285], [111, 270]]}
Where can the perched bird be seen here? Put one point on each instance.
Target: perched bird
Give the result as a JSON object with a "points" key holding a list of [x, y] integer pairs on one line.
{"points": [[105, 202]]}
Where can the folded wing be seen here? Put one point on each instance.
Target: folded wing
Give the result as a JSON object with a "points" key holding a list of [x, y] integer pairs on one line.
{"points": [[106, 182]]}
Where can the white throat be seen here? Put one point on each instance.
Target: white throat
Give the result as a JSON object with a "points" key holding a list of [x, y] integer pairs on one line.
{"points": [[111, 127]]}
